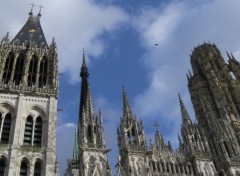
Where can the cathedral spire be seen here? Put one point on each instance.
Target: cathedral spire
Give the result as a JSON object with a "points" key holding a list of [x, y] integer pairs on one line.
{"points": [[127, 113], [186, 120], [85, 89]]}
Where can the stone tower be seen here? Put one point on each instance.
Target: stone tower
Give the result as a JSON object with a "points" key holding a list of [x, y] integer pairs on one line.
{"points": [[214, 88], [132, 145], [28, 102], [93, 157], [195, 145]]}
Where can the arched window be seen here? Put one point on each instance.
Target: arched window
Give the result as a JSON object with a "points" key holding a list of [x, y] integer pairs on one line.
{"points": [[6, 128], [38, 132], [24, 168], [37, 169], [8, 68], [2, 165], [19, 69], [43, 72], [32, 71], [28, 131]]}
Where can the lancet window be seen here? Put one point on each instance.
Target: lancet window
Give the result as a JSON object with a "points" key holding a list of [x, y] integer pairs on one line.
{"points": [[32, 71], [33, 132], [37, 168], [8, 68], [2, 165], [18, 72], [6, 127], [24, 168], [43, 72]]}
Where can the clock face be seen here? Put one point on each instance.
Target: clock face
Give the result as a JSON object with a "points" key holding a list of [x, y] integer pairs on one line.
{"points": [[32, 30]]}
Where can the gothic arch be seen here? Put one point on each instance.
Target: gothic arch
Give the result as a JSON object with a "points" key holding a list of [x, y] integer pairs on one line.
{"points": [[7, 70], [43, 72], [35, 111], [32, 70], [7, 107], [24, 165], [19, 67], [37, 167]]}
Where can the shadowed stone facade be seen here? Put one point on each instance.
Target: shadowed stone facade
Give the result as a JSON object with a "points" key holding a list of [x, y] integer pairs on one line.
{"points": [[28, 103]]}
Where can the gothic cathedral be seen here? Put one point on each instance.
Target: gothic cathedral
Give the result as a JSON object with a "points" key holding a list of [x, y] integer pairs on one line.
{"points": [[28, 107], [28, 102]]}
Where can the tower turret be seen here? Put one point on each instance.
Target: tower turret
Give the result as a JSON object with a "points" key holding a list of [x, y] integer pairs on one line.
{"points": [[131, 142]]}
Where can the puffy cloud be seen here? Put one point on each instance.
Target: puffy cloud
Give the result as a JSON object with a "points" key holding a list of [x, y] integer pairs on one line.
{"points": [[178, 27], [75, 24]]}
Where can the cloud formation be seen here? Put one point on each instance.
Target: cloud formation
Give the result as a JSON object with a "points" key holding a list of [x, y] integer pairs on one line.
{"points": [[177, 28]]}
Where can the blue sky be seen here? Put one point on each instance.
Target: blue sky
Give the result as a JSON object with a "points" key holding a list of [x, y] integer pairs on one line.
{"points": [[118, 37]]}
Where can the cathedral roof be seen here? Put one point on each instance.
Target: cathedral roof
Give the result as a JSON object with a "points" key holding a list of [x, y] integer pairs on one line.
{"points": [[31, 32]]}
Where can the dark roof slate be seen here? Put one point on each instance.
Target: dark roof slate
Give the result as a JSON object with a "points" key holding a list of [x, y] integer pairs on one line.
{"points": [[31, 31]]}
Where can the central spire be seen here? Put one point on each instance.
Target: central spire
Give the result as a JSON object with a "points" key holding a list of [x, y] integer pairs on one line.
{"points": [[85, 94]]}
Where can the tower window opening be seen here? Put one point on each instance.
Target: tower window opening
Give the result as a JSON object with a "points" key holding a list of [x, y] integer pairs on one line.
{"points": [[2, 165], [90, 133], [19, 69], [133, 135], [95, 129], [8, 68], [32, 71], [28, 131], [43, 72], [37, 169], [24, 168], [6, 128], [38, 132]]}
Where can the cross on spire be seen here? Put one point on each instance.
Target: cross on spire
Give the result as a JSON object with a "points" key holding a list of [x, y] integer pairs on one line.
{"points": [[30, 13], [156, 126], [41, 7]]}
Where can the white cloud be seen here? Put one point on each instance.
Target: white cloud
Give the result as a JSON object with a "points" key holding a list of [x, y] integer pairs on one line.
{"points": [[177, 28], [75, 24]]}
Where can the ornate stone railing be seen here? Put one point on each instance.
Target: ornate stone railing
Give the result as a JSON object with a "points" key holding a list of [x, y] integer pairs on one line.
{"points": [[24, 88], [203, 154], [133, 147]]}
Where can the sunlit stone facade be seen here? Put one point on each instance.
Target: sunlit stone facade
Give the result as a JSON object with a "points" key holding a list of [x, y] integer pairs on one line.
{"points": [[28, 103]]}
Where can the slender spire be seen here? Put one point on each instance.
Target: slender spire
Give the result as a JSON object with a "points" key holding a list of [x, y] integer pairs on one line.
{"points": [[84, 69], [84, 88], [127, 113], [185, 117]]}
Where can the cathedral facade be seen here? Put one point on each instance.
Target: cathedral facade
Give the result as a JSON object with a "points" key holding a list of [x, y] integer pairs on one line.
{"points": [[28, 102], [207, 148], [28, 107]]}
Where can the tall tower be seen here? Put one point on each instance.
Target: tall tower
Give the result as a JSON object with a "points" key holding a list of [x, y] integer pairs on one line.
{"points": [[28, 102], [215, 94], [92, 149], [132, 145]]}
